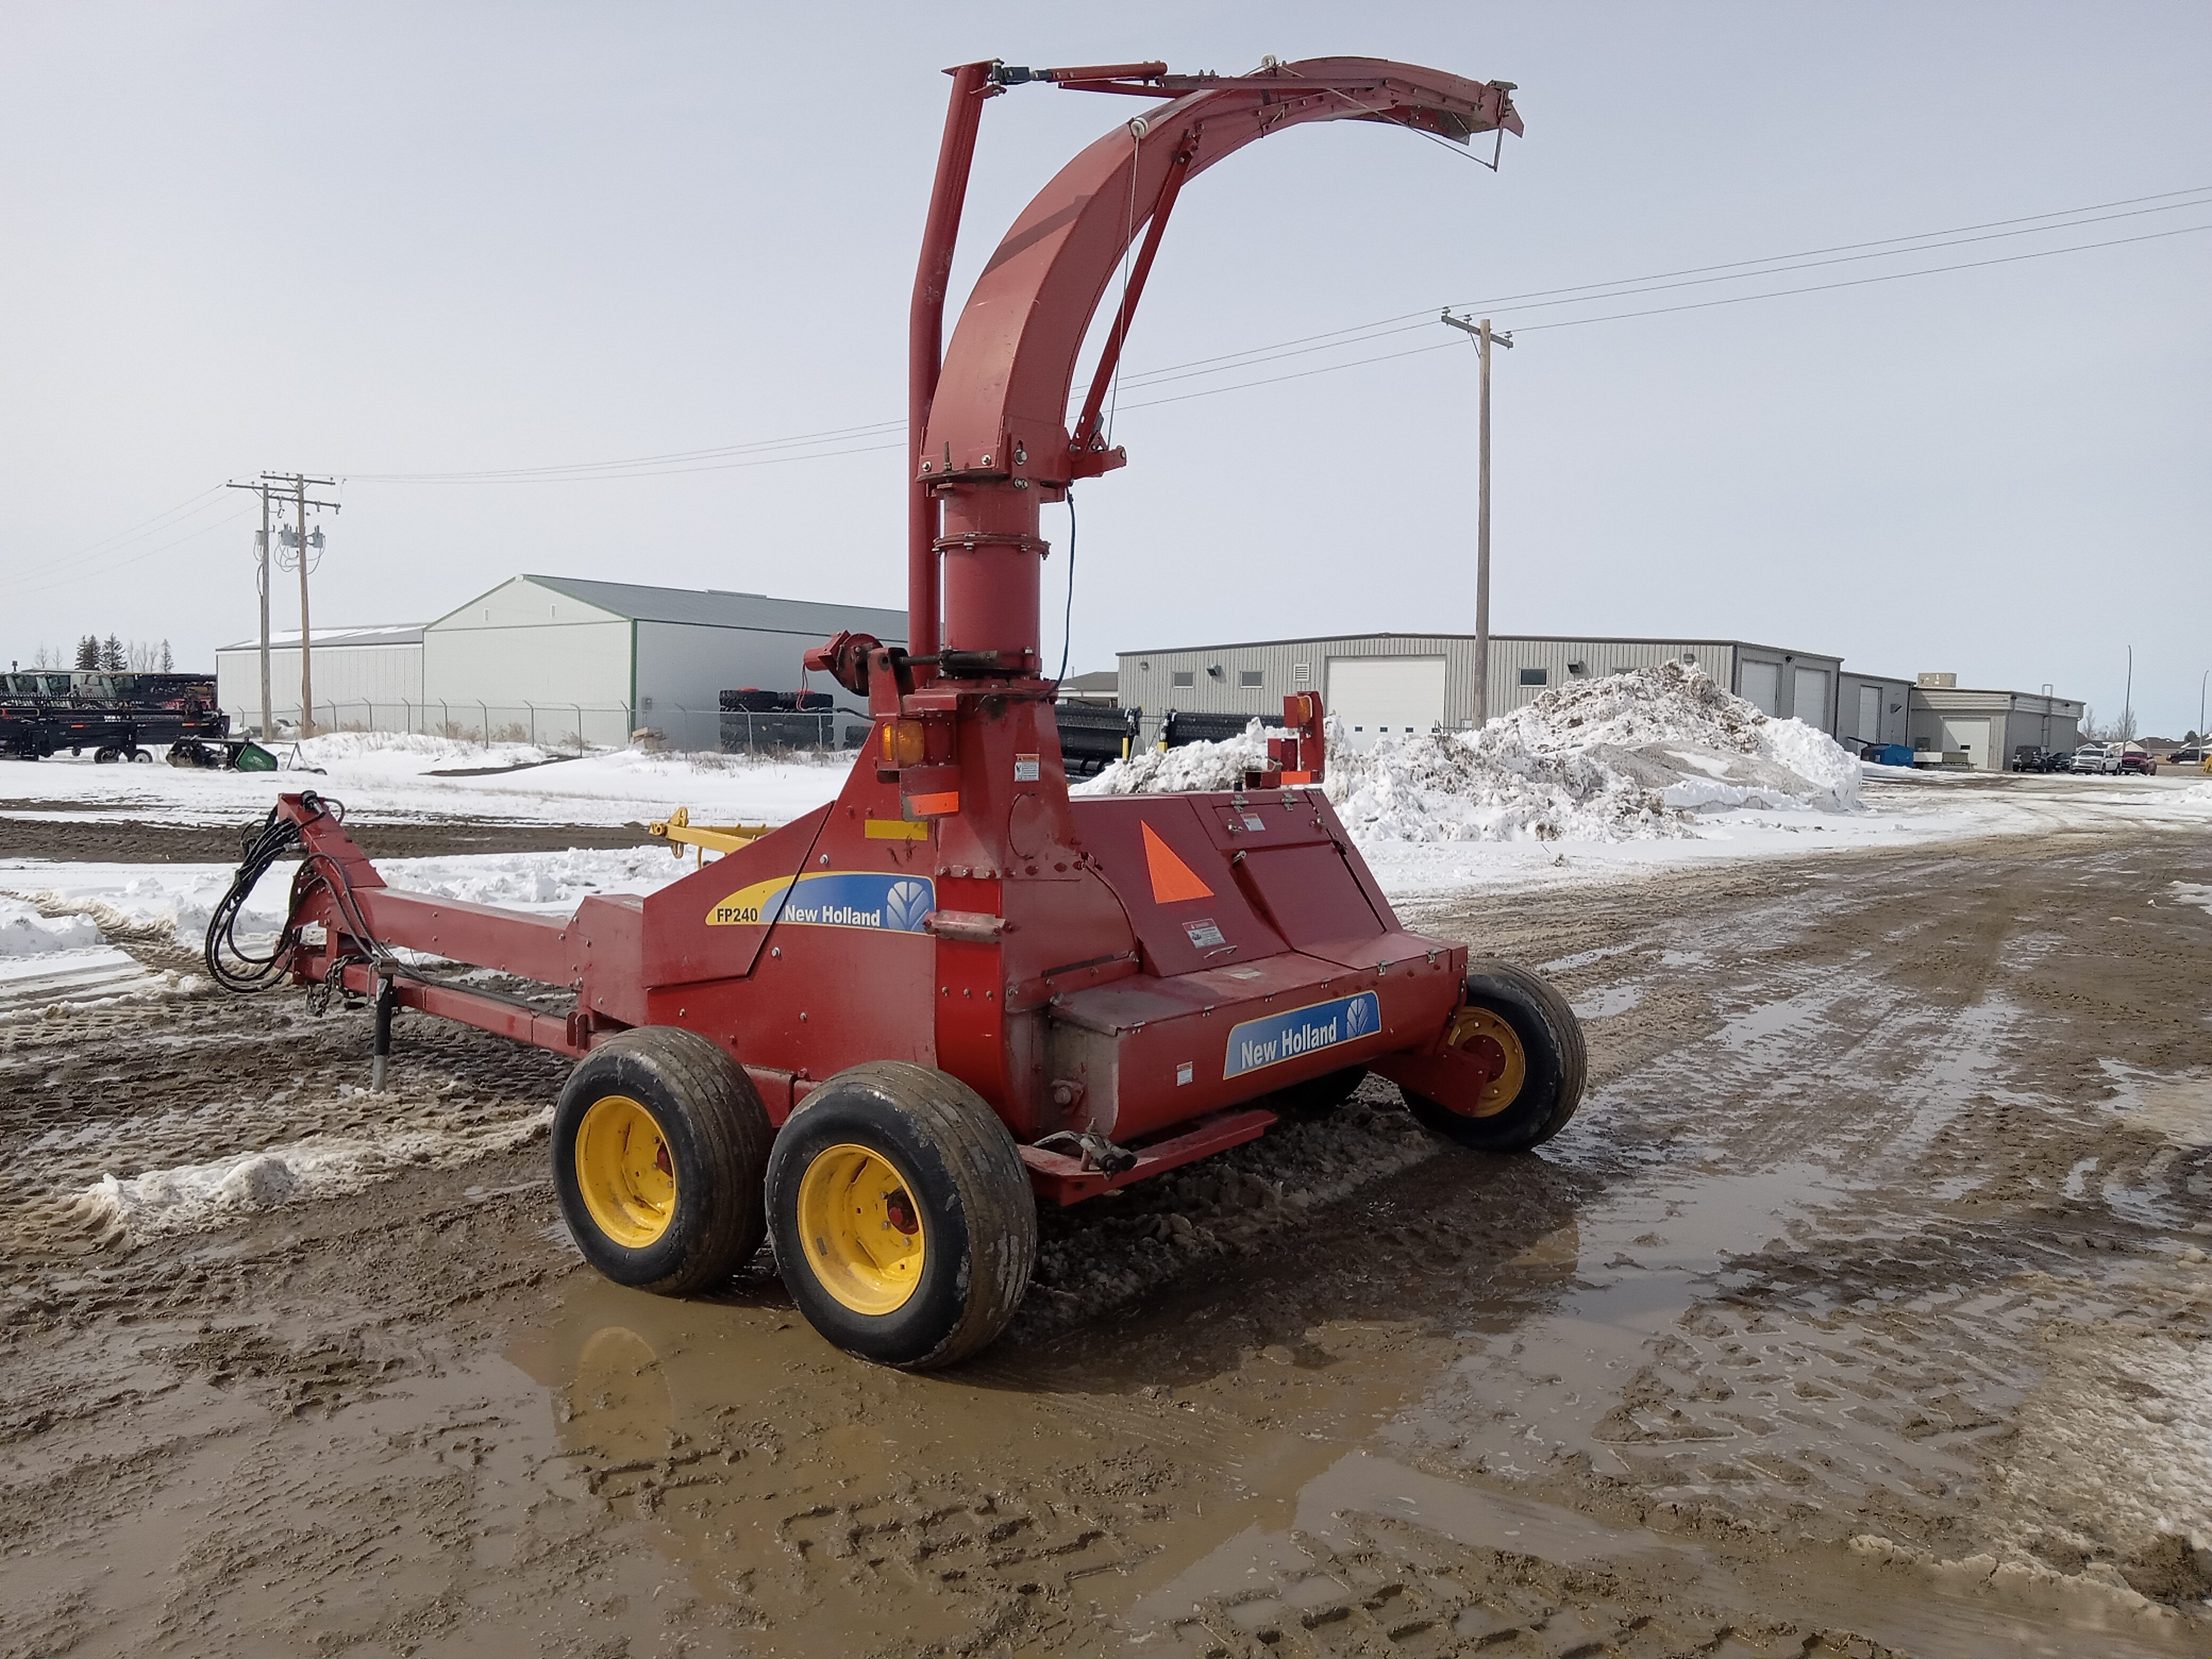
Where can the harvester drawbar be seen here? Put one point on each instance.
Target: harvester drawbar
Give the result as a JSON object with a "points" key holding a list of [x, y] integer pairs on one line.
{"points": [[878, 1034]]}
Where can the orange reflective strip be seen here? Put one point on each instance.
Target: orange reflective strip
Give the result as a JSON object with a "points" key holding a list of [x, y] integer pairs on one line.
{"points": [[934, 806]]}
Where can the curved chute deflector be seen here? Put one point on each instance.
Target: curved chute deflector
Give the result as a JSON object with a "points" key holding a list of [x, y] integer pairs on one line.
{"points": [[1004, 387]]}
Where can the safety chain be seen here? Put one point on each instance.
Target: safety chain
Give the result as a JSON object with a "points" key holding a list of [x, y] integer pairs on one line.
{"points": [[332, 983]]}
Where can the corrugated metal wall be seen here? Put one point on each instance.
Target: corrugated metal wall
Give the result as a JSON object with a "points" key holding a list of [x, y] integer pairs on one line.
{"points": [[355, 684]]}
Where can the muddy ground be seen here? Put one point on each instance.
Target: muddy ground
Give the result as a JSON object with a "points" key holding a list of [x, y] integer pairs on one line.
{"points": [[1864, 1309], [82, 834]]}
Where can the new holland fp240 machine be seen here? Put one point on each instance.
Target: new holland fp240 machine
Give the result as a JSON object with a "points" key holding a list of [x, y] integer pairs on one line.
{"points": [[879, 1033]]}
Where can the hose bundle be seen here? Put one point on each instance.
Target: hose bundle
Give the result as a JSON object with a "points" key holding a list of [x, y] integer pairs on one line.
{"points": [[237, 969], [229, 962]]}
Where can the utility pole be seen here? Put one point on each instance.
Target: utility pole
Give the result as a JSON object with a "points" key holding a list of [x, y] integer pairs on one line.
{"points": [[2128, 699], [299, 483], [261, 559], [1483, 337]]}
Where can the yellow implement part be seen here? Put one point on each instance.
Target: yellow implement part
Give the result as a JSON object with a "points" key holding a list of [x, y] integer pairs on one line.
{"points": [[679, 832], [861, 1229], [624, 1171]]}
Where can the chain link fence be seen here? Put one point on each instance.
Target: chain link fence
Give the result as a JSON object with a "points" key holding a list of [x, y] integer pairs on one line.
{"points": [[578, 726]]}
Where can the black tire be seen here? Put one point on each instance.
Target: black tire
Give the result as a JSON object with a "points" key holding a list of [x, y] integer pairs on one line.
{"points": [[1317, 1097], [971, 1204], [107, 755], [144, 756], [1556, 1062], [715, 1133]]}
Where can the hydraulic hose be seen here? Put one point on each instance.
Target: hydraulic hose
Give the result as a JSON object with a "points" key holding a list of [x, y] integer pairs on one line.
{"points": [[229, 962]]}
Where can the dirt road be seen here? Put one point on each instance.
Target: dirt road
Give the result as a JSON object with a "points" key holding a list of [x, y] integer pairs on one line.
{"points": [[1864, 1309]]}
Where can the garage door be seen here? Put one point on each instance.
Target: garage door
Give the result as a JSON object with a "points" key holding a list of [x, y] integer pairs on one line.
{"points": [[1762, 684], [1973, 737], [1375, 696], [1809, 688]]}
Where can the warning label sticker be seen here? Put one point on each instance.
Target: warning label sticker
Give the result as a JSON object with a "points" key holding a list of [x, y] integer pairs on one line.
{"points": [[1026, 768], [1204, 934]]}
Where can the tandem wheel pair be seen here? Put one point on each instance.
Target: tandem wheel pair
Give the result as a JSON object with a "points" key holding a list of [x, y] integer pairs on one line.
{"points": [[904, 1224]]}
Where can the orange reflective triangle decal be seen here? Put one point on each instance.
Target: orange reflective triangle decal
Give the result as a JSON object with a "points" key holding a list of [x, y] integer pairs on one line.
{"points": [[1172, 878]]}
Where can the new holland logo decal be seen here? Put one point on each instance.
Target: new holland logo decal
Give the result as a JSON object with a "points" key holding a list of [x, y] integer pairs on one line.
{"points": [[877, 901], [1258, 1043]]}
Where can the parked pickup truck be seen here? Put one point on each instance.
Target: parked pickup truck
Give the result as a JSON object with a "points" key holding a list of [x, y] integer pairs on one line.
{"points": [[2095, 757]]}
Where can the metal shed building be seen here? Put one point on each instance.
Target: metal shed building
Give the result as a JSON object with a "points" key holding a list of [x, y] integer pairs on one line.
{"points": [[365, 677], [1989, 724], [1395, 683], [543, 656], [1873, 708]]}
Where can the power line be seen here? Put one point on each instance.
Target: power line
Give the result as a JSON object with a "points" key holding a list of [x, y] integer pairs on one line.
{"points": [[1695, 305], [1421, 319], [76, 577], [832, 443], [1862, 282]]}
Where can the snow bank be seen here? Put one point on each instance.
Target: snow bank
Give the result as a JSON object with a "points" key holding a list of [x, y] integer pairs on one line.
{"points": [[1629, 756], [25, 932]]}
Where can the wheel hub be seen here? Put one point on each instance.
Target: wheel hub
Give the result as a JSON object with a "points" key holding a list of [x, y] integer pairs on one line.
{"points": [[624, 1173], [1494, 1049], [861, 1229]]}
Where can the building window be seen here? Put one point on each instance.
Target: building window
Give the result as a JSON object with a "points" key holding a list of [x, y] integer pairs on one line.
{"points": [[1535, 676], [1249, 678], [1183, 679]]}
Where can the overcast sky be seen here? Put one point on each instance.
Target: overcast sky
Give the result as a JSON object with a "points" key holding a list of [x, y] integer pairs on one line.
{"points": [[393, 239]]}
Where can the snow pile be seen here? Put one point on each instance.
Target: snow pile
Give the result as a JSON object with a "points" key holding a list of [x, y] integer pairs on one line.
{"points": [[1628, 757], [1196, 766], [25, 932], [192, 1196]]}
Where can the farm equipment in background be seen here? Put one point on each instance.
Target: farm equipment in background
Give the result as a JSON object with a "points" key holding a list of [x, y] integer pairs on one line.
{"points": [[754, 719], [879, 1033], [1093, 736], [117, 716]]}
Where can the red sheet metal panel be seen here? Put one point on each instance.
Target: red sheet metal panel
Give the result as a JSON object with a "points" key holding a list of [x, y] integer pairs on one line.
{"points": [[1149, 848], [714, 923], [1152, 1052]]}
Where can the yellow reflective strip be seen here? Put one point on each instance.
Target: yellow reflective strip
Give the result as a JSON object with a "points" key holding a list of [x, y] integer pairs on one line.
{"points": [[895, 829]]}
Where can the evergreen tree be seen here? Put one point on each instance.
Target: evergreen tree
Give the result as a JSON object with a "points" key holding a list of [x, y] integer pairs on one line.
{"points": [[169, 666], [87, 652], [110, 655]]}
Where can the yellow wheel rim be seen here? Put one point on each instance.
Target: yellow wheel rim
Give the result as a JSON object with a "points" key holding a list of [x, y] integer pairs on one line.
{"points": [[1483, 1036], [625, 1172], [861, 1229]]}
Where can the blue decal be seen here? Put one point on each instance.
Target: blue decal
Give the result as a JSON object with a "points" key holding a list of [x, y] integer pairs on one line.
{"points": [[880, 902], [1261, 1042]]}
